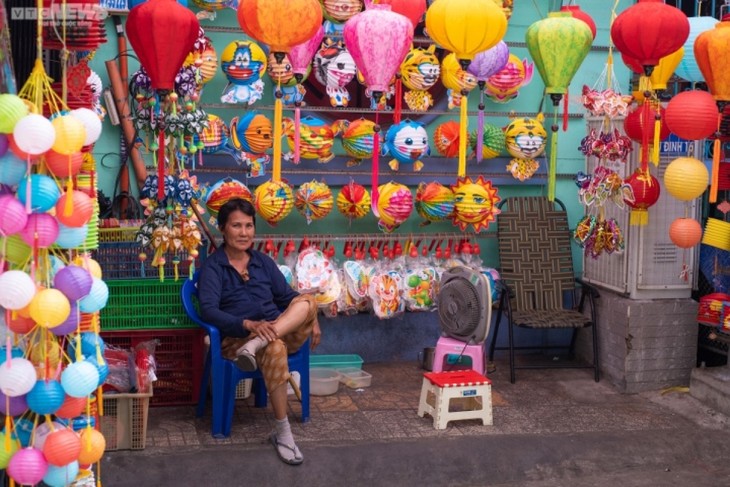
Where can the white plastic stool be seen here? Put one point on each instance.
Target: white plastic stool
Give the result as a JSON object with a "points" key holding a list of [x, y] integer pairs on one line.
{"points": [[471, 388], [449, 346]]}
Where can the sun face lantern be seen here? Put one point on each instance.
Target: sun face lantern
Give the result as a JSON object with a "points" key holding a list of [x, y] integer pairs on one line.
{"points": [[474, 203], [646, 193]]}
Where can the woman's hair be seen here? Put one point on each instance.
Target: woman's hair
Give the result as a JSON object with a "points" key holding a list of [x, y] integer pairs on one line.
{"points": [[236, 204]]}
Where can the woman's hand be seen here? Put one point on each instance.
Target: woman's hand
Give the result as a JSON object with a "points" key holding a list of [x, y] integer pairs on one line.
{"points": [[264, 329], [316, 335]]}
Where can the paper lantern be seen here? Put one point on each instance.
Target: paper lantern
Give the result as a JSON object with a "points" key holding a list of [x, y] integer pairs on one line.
{"points": [[61, 476], [89, 264], [45, 397], [4, 144], [97, 297], [16, 289], [313, 200], [223, 191], [74, 281], [44, 192], [23, 429], [71, 237], [646, 192], [710, 51], [20, 324], [661, 73], [475, 203], [101, 366], [686, 178], [27, 466], [395, 204], [378, 40], [353, 201], [82, 209], [17, 377], [162, 34], [49, 308], [13, 216], [70, 134], [46, 354], [43, 430], [34, 134], [265, 21], [649, 30], [63, 166], [71, 407], [40, 230], [62, 447], [685, 232], [493, 141], [637, 121], [357, 138], [446, 138], [274, 201], [5, 452], [93, 445], [91, 122], [688, 68], [489, 62], [80, 379], [12, 406], [12, 169], [434, 202], [692, 115], [466, 27], [251, 132], [301, 55], [12, 110], [70, 324], [579, 14], [411, 9]]}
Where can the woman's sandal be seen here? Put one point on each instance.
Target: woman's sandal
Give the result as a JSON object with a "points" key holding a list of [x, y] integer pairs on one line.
{"points": [[246, 361], [283, 451]]}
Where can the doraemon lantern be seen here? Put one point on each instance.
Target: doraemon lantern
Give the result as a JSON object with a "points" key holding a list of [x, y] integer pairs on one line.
{"points": [[243, 63]]}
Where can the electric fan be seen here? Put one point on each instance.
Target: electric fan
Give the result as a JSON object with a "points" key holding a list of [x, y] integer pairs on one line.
{"points": [[465, 304]]}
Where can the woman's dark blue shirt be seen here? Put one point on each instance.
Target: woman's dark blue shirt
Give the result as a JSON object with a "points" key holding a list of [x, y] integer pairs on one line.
{"points": [[226, 299]]}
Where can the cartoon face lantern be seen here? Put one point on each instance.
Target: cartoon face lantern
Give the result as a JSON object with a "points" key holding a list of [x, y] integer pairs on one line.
{"points": [[525, 139], [243, 63], [334, 67], [407, 142], [252, 135], [456, 79], [204, 58], [504, 85], [420, 70], [280, 72], [216, 137], [340, 11], [474, 203]]}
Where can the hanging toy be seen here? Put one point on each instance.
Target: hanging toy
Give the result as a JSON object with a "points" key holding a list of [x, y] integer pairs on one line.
{"points": [[244, 64], [353, 201], [457, 81], [475, 203], [313, 200], [493, 142], [385, 292], [334, 67], [337, 12], [407, 142], [280, 72], [252, 135], [357, 138], [446, 138], [525, 139], [273, 200], [420, 286], [316, 139], [434, 202], [504, 85], [420, 71], [395, 204]]}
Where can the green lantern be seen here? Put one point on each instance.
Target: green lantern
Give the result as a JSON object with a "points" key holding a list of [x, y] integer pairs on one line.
{"points": [[558, 45]]}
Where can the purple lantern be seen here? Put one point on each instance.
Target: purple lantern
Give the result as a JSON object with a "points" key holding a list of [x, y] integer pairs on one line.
{"points": [[3, 144], [73, 281], [71, 323], [18, 405]]}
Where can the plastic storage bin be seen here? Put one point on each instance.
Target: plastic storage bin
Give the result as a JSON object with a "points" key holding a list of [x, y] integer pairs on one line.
{"points": [[323, 381], [124, 423], [335, 361], [355, 378]]}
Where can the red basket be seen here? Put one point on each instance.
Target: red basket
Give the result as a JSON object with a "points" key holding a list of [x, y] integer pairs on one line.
{"points": [[710, 309], [179, 357]]}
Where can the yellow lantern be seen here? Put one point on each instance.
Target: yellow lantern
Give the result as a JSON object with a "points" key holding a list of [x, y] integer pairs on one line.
{"points": [[49, 308], [659, 76], [686, 178], [70, 134]]}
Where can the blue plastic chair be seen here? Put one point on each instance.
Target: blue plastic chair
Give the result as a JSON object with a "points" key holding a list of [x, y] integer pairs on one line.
{"points": [[224, 375]]}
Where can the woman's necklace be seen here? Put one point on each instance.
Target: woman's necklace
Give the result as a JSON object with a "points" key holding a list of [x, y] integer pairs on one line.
{"points": [[237, 263]]}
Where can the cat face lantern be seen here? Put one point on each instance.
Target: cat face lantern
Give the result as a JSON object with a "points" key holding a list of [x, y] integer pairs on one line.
{"points": [[334, 67]]}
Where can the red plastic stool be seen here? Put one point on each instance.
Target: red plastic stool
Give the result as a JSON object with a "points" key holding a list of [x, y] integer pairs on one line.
{"points": [[471, 389], [448, 346]]}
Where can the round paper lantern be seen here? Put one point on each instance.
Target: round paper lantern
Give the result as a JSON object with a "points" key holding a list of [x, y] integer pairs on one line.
{"points": [[13, 216], [89, 264], [45, 397], [4, 144], [93, 445], [13, 406], [12, 110], [74, 281], [101, 366], [475, 203], [80, 379], [579, 14], [353, 201], [63, 166], [395, 204], [27, 466], [223, 191], [62, 447], [70, 324], [646, 192], [21, 325], [313, 200], [710, 48], [46, 353], [685, 232], [97, 297], [493, 141], [446, 138], [12, 169], [91, 123], [634, 125], [692, 115], [686, 178], [44, 192], [49, 308], [71, 407], [273, 201], [34, 134], [688, 68], [71, 237], [61, 476], [17, 377], [16, 289], [89, 342], [6, 454], [40, 230], [434, 201], [70, 134], [16, 251]]}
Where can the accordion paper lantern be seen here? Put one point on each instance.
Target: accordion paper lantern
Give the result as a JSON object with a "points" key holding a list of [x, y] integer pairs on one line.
{"points": [[274, 201]]}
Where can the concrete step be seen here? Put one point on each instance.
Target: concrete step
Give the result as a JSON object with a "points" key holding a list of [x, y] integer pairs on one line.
{"points": [[711, 386]]}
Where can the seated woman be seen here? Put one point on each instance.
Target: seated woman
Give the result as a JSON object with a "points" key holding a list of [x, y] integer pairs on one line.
{"points": [[261, 318]]}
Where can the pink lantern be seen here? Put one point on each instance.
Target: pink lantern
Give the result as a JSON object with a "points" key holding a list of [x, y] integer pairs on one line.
{"points": [[301, 55], [13, 216], [27, 466], [42, 225]]}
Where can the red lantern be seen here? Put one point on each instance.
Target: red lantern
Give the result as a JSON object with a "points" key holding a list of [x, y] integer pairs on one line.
{"points": [[637, 121], [413, 9], [162, 33], [646, 193], [579, 14], [650, 30], [685, 232], [692, 115]]}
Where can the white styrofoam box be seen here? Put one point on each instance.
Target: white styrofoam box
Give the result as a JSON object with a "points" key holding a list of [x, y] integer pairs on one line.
{"points": [[650, 265]]}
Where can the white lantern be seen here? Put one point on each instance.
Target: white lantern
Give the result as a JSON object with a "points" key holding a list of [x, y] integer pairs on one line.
{"points": [[91, 122], [16, 290], [34, 134], [17, 377]]}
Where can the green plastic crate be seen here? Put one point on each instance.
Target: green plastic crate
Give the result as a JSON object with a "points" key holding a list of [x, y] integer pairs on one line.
{"points": [[335, 361], [142, 304]]}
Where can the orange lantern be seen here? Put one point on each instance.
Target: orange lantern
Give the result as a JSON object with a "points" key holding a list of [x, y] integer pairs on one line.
{"points": [[62, 447], [692, 115], [711, 55], [64, 166], [685, 232]]}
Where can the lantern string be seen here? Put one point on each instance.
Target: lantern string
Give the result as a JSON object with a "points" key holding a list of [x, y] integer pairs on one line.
{"points": [[376, 163], [398, 99], [278, 109], [480, 126], [297, 132], [463, 133], [552, 168], [566, 103]]}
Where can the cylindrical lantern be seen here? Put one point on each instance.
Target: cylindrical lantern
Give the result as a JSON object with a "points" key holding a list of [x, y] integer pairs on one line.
{"points": [[686, 178], [692, 115], [685, 232], [646, 192]]}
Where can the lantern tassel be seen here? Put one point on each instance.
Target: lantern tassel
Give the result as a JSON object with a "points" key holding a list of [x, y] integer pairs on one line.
{"points": [[161, 166], [463, 132], [656, 141], [644, 162], [480, 127], [375, 169], [566, 103], [278, 109], [398, 99], [68, 207], [297, 132], [100, 401], [715, 180], [638, 217], [553, 165], [8, 429]]}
